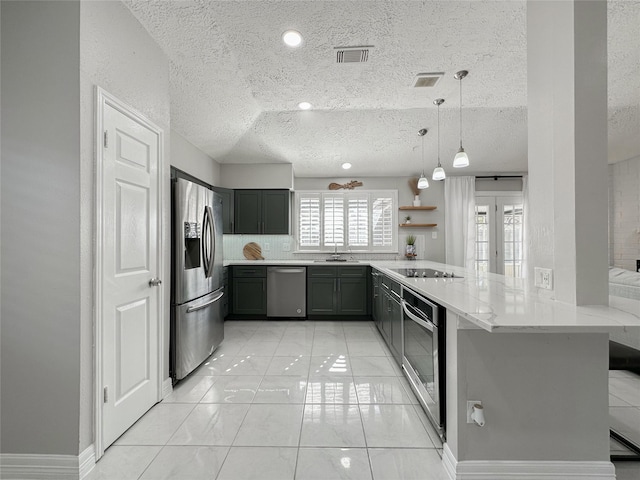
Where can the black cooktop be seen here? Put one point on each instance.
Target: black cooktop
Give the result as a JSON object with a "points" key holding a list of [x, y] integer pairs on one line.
{"points": [[425, 273]]}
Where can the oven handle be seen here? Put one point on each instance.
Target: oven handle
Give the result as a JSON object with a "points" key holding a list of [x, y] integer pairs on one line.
{"points": [[428, 325]]}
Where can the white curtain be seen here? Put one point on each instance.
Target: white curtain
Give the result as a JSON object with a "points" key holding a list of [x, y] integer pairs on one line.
{"points": [[525, 229], [460, 228]]}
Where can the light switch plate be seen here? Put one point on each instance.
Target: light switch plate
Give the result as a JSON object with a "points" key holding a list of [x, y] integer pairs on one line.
{"points": [[434, 235], [543, 277]]}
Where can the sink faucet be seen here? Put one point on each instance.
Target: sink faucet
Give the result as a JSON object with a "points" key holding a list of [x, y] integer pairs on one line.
{"points": [[335, 255]]}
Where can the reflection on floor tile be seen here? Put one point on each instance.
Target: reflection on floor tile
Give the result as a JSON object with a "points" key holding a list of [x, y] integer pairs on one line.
{"points": [[333, 464], [123, 463], [332, 426], [157, 426], [210, 424], [271, 425]]}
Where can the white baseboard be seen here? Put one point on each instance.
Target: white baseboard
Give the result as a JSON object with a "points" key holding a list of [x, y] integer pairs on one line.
{"points": [[47, 467], [167, 388], [525, 470], [86, 461]]}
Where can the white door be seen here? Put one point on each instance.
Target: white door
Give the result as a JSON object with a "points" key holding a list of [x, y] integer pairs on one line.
{"points": [[499, 234], [130, 310]]}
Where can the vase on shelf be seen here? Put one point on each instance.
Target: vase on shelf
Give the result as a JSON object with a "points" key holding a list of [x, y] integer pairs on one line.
{"points": [[416, 201]]}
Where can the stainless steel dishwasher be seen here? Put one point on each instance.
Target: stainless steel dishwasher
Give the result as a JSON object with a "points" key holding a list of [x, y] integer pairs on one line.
{"points": [[286, 291]]}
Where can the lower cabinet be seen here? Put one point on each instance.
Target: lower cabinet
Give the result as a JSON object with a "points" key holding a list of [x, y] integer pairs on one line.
{"points": [[388, 317], [249, 290], [342, 291]]}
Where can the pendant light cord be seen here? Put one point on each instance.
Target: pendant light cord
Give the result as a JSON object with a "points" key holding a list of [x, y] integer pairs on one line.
{"points": [[438, 135], [460, 112], [422, 155]]}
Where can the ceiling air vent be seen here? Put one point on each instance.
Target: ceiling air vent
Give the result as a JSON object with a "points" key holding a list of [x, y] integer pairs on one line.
{"points": [[353, 54], [427, 79]]}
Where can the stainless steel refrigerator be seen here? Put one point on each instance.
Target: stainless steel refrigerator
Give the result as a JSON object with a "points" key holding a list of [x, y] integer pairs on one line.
{"points": [[197, 323]]}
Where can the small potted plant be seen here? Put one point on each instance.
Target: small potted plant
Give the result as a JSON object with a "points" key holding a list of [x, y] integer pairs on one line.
{"points": [[410, 251], [407, 219]]}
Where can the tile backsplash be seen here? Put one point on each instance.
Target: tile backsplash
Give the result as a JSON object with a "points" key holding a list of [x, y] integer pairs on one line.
{"points": [[282, 247]]}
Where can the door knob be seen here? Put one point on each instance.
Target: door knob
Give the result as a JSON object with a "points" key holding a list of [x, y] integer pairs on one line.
{"points": [[154, 282]]}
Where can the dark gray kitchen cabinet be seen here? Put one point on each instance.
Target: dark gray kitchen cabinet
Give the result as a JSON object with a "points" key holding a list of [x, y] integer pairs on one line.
{"points": [[342, 291], [228, 206], [261, 211], [249, 290], [390, 316]]}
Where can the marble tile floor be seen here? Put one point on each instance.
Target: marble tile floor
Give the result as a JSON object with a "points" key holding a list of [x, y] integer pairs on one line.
{"points": [[284, 400]]}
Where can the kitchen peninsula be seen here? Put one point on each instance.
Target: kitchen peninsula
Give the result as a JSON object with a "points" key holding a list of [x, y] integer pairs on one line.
{"points": [[539, 367]]}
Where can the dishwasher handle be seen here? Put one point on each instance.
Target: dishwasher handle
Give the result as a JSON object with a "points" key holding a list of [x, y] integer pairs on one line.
{"points": [[285, 270]]}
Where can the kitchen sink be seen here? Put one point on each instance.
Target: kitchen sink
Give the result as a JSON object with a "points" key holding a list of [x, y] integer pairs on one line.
{"points": [[336, 260]]}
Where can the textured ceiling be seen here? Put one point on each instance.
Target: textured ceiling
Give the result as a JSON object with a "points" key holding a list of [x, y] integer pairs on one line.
{"points": [[235, 86]]}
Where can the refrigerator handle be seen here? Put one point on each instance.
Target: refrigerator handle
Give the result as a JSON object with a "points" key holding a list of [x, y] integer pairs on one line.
{"points": [[212, 240], [206, 241], [205, 305]]}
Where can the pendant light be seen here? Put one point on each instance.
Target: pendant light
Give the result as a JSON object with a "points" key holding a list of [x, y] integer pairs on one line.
{"points": [[423, 182], [438, 172], [461, 159]]}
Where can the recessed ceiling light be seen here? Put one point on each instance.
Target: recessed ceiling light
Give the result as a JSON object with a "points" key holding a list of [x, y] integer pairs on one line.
{"points": [[346, 165], [304, 105], [292, 38]]}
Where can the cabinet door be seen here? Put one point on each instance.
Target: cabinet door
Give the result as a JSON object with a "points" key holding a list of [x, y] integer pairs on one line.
{"points": [[248, 211], [375, 293], [385, 317], [228, 208], [250, 296], [275, 212], [395, 315], [352, 295], [321, 295]]}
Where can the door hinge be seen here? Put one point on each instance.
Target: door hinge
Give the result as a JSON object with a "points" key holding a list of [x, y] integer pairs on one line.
{"points": [[105, 394], [106, 139]]}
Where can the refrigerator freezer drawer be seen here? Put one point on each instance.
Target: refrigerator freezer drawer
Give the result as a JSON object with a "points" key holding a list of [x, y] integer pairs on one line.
{"points": [[199, 330]]}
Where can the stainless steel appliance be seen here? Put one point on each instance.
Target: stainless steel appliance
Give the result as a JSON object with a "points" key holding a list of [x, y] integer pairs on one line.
{"points": [[424, 355], [425, 273], [286, 292], [197, 273]]}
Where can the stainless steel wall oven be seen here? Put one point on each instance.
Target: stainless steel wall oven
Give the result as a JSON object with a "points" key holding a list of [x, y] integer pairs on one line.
{"points": [[424, 354]]}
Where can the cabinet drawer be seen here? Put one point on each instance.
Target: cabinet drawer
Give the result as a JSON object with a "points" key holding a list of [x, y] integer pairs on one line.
{"points": [[360, 272], [248, 271], [321, 271]]}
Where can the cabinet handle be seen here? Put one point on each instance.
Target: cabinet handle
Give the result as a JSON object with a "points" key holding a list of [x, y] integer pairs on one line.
{"points": [[339, 285], [259, 227], [335, 285]]}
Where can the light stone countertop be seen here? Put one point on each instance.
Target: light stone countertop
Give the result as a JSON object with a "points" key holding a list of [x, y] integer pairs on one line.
{"points": [[496, 303]]}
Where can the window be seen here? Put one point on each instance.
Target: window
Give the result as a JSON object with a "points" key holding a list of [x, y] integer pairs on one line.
{"points": [[362, 221], [499, 235]]}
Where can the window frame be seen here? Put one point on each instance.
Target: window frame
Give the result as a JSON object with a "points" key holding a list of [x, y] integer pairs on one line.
{"points": [[371, 196]]}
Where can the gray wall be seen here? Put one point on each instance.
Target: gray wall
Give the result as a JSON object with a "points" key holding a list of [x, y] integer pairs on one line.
{"points": [[40, 222], [117, 54], [507, 373], [194, 161]]}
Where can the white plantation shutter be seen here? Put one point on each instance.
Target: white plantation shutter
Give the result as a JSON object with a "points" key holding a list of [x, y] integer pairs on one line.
{"points": [[309, 221], [360, 221], [383, 225], [333, 209]]}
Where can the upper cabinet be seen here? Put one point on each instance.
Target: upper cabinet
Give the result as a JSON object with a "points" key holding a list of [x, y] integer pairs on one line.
{"points": [[227, 208], [262, 211]]}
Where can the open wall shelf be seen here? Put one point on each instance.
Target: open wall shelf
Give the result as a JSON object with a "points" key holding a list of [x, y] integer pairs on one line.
{"points": [[418, 225], [423, 207]]}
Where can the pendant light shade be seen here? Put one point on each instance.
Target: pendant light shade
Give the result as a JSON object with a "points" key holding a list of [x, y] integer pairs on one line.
{"points": [[438, 172], [422, 181], [461, 159]]}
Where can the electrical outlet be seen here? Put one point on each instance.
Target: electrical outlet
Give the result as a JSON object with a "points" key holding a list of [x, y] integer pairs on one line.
{"points": [[470, 404], [434, 235], [267, 247], [543, 277], [285, 247]]}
